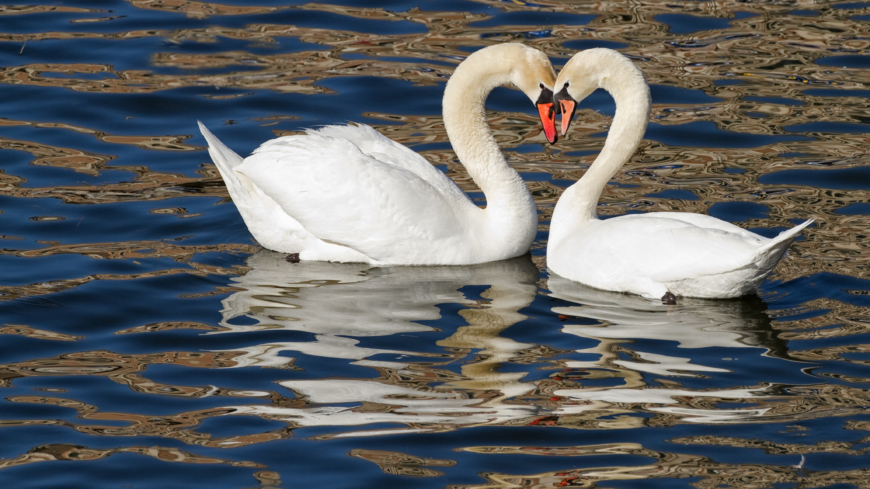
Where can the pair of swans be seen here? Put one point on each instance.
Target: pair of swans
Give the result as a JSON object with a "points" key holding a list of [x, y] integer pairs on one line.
{"points": [[349, 194]]}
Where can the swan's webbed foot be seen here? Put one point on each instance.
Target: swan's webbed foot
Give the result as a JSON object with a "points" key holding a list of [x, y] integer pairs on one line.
{"points": [[293, 258], [669, 299]]}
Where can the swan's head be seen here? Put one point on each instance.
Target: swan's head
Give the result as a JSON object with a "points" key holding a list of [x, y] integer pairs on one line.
{"points": [[587, 71], [534, 75], [503, 64]]}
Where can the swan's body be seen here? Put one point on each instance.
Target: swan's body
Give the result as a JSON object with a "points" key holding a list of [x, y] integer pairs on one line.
{"points": [[349, 194], [651, 254]]}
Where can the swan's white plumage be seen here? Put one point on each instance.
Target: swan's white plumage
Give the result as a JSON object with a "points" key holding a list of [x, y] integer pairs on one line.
{"points": [[386, 208], [349, 194], [648, 254]]}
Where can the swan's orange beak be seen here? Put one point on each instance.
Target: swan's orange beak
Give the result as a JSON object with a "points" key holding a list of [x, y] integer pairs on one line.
{"points": [[566, 108], [547, 111]]}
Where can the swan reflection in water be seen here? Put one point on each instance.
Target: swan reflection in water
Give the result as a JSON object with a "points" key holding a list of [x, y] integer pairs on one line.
{"points": [[693, 324], [337, 302]]}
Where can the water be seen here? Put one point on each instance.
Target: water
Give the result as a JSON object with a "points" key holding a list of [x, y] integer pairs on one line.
{"points": [[149, 342]]}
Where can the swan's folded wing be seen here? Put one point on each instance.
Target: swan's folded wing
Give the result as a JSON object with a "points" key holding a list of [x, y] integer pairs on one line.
{"points": [[699, 220], [666, 249], [344, 196], [385, 150]]}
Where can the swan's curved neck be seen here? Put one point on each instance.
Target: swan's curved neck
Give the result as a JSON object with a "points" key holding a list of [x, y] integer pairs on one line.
{"points": [[508, 202], [578, 202]]}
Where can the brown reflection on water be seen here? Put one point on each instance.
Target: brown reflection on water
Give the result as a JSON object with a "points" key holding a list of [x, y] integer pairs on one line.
{"points": [[76, 453], [397, 463], [712, 474]]}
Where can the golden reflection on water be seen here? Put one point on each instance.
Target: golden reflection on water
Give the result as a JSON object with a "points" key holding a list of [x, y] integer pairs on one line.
{"points": [[769, 54]]}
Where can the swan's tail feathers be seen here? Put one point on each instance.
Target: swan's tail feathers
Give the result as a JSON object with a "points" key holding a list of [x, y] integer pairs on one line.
{"points": [[226, 161], [225, 158], [773, 250]]}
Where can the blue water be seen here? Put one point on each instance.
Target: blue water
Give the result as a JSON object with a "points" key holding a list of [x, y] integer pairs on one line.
{"points": [[149, 341]]}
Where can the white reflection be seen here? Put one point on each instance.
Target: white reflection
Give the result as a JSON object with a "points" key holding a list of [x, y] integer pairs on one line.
{"points": [[358, 300], [335, 300], [691, 324]]}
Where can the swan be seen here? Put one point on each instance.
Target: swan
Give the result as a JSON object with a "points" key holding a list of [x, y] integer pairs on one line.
{"points": [[349, 194], [659, 254]]}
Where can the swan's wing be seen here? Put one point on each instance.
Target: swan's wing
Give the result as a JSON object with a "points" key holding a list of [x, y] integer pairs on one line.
{"points": [[665, 249], [385, 150], [699, 220], [341, 195]]}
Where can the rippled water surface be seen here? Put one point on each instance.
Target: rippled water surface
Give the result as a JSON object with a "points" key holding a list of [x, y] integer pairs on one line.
{"points": [[148, 341]]}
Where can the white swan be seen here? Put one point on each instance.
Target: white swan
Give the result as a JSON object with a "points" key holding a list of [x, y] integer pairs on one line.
{"points": [[659, 254], [349, 194]]}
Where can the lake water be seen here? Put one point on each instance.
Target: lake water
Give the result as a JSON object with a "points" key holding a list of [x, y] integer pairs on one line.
{"points": [[150, 342]]}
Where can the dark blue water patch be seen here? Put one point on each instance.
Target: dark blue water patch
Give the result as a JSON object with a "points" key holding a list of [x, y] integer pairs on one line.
{"points": [[131, 470], [738, 211], [847, 61], [449, 6], [124, 304], [854, 209], [857, 178], [852, 5], [199, 340], [137, 54], [238, 425], [771, 233], [121, 221], [670, 95], [47, 176], [804, 13], [757, 115], [386, 95], [663, 483], [473, 292], [583, 44], [685, 24], [774, 100], [505, 99], [734, 170], [52, 269], [841, 372], [502, 18], [829, 127], [834, 92], [414, 343], [706, 134], [529, 148], [792, 154], [674, 194], [822, 285]]}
